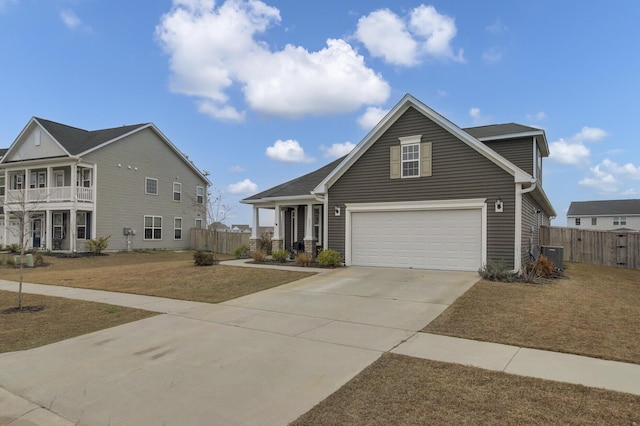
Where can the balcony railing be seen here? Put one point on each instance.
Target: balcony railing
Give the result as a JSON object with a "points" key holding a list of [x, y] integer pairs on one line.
{"points": [[49, 195]]}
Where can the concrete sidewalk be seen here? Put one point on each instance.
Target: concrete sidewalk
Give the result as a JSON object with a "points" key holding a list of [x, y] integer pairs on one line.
{"points": [[561, 367]]}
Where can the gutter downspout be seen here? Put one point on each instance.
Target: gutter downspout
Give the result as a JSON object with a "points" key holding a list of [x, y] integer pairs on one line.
{"points": [[517, 261]]}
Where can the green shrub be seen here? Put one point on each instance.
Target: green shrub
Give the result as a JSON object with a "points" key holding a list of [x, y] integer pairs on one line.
{"points": [[329, 257], [496, 271], [97, 245], [203, 258], [259, 255], [241, 252], [303, 259], [13, 248], [38, 260], [280, 255]]}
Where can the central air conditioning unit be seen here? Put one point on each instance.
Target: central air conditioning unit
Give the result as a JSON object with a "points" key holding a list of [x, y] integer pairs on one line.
{"points": [[554, 254]]}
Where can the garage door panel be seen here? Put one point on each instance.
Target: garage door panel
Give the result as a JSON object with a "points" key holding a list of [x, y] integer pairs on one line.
{"points": [[430, 239]]}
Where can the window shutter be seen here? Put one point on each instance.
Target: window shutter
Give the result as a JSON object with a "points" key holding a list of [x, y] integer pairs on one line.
{"points": [[425, 159], [395, 163]]}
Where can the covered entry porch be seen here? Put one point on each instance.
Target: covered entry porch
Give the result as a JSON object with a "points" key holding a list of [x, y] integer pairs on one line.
{"points": [[296, 227]]}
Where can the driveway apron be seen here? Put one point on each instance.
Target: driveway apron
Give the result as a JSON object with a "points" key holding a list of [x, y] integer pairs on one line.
{"points": [[265, 358]]}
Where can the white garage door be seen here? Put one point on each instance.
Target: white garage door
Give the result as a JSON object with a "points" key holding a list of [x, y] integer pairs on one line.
{"points": [[428, 239]]}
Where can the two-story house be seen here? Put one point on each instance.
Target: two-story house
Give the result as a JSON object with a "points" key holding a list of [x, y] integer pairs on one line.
{"points": [[70, 184], [420, 192], [604, 215]]}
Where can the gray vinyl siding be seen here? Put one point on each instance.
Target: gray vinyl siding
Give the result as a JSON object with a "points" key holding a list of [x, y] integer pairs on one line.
{"points": [[518, 151], [458, 172], [122, 168], [531, 223]]}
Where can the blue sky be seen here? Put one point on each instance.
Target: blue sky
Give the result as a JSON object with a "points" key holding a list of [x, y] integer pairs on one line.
{"points": [[258, 93]]}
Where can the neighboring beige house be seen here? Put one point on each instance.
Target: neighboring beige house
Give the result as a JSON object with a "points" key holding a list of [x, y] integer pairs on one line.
{"points": [[604, 215], [419, 192], [128, 182]]}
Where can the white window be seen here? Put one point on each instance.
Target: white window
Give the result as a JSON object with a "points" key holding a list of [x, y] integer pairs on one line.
{"points": [[81, 225], [620, 221], [152, 227], [199, 195], [151, 186], [58, 178], [198, 223], [411, 160], [594, 221], [83, 178], [577, 221], [17, 181], [177, 191], [317, 224], [177, 228], [58, 226]]}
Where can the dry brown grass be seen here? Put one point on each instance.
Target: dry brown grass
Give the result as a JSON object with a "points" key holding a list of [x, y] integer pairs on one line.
{"points": [[398, 389], [158, 273], [60, 319], [595, 312]]}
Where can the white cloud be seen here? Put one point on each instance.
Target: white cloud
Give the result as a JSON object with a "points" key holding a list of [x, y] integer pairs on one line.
{"points": [[492, 55], [590, 134], [609, 177], [568, 153], [236, 169], [406, 41], [288, 151], [386, 36], [214, 49], [476, 116], [573, 150], [371, 117], [538, 116], [337, 149], [71, 20], [242, 187]]}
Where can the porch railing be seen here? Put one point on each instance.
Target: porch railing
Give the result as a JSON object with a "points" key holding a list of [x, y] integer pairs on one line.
{"points": [[47, 195]]}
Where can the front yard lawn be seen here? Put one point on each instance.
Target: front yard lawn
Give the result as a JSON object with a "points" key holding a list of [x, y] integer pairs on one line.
{"points": [[401, 390], [595, 312], [157, 273], [59, 319]]}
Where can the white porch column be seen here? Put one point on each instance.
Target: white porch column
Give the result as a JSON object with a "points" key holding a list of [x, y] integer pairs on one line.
{"points": [[278, 229], [309, 240], [48, 229], [255, 224], [73, 238]]}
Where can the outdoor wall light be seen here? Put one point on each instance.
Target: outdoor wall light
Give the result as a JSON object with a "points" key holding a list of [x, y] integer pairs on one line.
{"points": [[337, 210], [499, 205]]}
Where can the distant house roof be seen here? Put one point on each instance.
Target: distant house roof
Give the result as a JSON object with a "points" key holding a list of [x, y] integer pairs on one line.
{"points": [[76, 141], [303, 185], [604, 208]]}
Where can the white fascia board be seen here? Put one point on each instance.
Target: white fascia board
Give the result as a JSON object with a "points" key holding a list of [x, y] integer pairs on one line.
{"points": [[272, 201], [406, 102], [471, 203], [17, 141], [17, 165], [164, 139]]}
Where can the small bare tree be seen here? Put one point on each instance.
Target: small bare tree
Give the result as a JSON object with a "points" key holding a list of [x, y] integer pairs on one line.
{"points": [[20, 207], [217, 213]]}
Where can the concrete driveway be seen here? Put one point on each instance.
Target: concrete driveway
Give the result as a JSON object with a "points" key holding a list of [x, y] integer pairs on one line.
{"points": [[261, 359]]}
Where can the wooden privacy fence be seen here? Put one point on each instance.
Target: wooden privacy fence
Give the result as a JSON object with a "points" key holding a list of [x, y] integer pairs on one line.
{"points": [[610, 248], [227, 242]]}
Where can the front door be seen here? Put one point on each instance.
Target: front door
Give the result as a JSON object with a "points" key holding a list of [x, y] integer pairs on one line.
{"points": [[36, 232]]}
